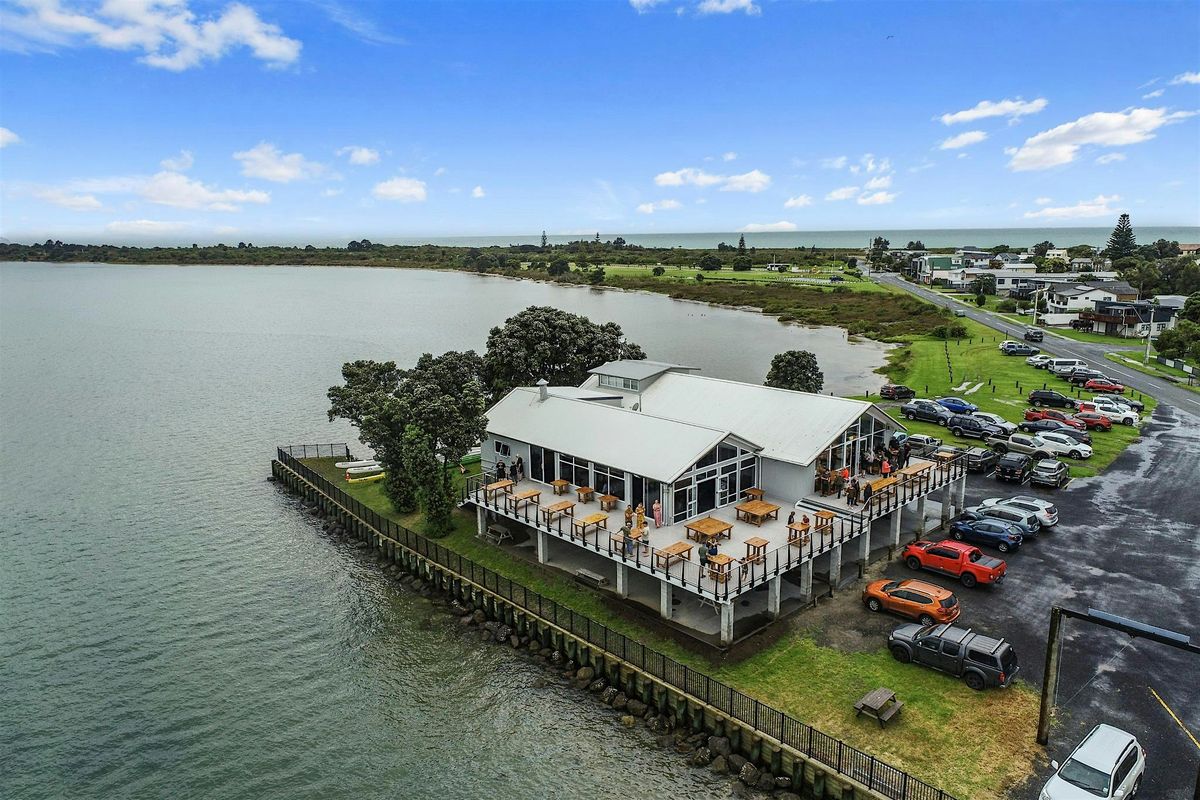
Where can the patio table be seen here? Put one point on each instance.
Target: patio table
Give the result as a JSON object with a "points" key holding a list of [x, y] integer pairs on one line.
{"points": [[756, 549], [595, 521], [562, 507], [496, 487], [708, 528], [675, 552], [757, 512], [530, 496], [718, 567], [585, 493], [560, 486]]}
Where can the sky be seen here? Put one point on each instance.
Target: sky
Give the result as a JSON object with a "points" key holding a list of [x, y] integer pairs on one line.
{"points": [[290, 121]]}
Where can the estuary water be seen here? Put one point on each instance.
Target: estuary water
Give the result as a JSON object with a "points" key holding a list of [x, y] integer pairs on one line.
{"points": [[171, 627]]}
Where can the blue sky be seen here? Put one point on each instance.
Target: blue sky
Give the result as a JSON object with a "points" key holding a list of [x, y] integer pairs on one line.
{"points": [[267, 121]]}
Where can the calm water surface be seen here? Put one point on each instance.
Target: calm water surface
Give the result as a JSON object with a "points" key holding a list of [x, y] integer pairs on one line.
{"points": [[170, 627]]}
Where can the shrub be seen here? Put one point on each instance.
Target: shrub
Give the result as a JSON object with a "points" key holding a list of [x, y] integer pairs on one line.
{"points": [[980, 300], [742, 264], [955, 330], [657, 272], [1006, 306], [699, 277]]}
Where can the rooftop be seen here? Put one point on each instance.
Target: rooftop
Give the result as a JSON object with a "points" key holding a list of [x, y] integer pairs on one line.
{"points": [[636, 369]]}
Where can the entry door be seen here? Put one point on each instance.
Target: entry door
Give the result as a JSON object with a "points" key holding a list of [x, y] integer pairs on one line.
{"points": [[727, 489], [684, 504], [706, 495], [549, 466]]}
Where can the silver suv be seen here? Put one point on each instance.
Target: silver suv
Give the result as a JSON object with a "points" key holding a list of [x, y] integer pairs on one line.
{"points": [[1108, 763]]}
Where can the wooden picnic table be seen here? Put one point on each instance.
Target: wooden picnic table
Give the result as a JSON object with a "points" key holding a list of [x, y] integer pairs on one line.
{"points": [[798, 534], [674, 552], [496, 487], [756, 549], [883, 486], [563, 507], [879, 703], [703, 530], [757, 511], [585, 493], [942, 455], [635, 535], [754, 493], [609, 501], [596, 521], [824, 522], [533, 496], [560, 486], [718, 567]]}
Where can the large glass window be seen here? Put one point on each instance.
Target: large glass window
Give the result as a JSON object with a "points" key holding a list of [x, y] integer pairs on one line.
{"points": [[573, 470], [619, 383], [609, 480], [535, 461]]}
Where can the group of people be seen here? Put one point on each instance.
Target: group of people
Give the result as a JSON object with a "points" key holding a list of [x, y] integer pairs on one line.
{"points": [[515, 473]]}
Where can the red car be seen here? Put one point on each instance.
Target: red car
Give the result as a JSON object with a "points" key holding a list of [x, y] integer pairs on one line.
{"points": [[1094, 421], [1034, 414], [964, 561], [1104, 385]]}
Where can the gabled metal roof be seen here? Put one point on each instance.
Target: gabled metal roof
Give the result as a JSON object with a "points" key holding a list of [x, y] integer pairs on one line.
{"points": [[636, 370]]}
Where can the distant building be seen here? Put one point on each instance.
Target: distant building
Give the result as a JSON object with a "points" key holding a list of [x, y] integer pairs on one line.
{"points": [[1009, 258], [1130, 320], [929, 269], [1189, 249], [1059, 253], [1065, 303], [1081, 264]]}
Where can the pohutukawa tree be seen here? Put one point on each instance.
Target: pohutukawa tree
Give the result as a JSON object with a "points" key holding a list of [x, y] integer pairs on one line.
{"points": [[796, 370]]}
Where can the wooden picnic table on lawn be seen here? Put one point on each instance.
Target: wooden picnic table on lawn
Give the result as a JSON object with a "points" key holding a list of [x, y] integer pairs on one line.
{"points": [[560, 486], [533, 496], [798, 534], [756, 549], [824, 521], [702, 530], [492, 489], [754, 494], [609, 501], [674, 552], [585, 493], [596, 521], [718, 567], [563, 507], [879, 703], [757, 511]]}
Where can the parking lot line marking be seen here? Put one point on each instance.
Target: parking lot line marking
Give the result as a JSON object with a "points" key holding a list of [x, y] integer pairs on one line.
{"points": [[1178, 721]]}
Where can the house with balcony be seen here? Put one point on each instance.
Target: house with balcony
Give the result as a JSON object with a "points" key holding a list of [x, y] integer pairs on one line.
{"points": [[932, 269], [1130, 320], [1064, 303], [725, 463]]}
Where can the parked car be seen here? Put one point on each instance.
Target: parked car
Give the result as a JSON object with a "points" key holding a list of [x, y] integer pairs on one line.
{"points": [[957, 405], [963, 561], [1121, 400], [1055, 426], [1039, 361], [917, 600], [1104, 385], [920, 445], [1049, 397], [1025, 522], [1114, 412], [1064, 366], [1080, 377], [894, 391], [958, 312], [1007, 343], [1029, 444], [1108, 763], [1094, 420], [1033, 414], [997, 420], [1063, 444], [1034, 335], [981, 459], [1050, 472], [991, 532], [969, 425], [1046, 512], [1014, 467], [981, 661], [925, 411], [1022, 350]]}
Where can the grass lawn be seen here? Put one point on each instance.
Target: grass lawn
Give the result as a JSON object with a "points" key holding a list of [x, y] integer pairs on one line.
{"points": [[814, 683], [1116, 342], [614, 273], [1006, 380], [1133, 360]]}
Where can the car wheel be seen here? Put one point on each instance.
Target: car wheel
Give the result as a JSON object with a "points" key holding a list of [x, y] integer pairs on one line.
{"points": [[908, 415], [957, 535], [1037, 403], [1002, 547], [974, 680], [1127, 421], [968, 580], [913, 562], [957, 432], [942, 422], [874, 605], [927, 620], [901, 654], [1040, 456], [1136, 785], [1075, 454], [1001, 449]]}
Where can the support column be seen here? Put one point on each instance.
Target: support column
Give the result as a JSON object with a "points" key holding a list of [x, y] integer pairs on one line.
{"points": [[622, 580], [727, 623], [920, 516], [480, 521], [896, 527], [946, 511], [806, 580], [665, 595], [835, 566], [543, 546], [774, 596], [864, 550], [961, 492]]}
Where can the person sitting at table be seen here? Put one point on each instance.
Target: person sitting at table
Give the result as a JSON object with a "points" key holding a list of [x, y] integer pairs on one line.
{"points": [[885, 468], [501, 470]]}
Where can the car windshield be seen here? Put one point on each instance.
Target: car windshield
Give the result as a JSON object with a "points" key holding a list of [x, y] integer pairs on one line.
{"points": [[950, 602], [1085, 777]]}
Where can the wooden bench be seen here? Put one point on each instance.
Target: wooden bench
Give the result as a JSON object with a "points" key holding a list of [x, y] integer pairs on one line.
{"points": [[591, 578], [879, 703], [679, 551], [564, 508], [496, 534]]}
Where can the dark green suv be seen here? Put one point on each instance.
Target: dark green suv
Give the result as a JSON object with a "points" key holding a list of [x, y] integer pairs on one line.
{"points": [[981, 661]]}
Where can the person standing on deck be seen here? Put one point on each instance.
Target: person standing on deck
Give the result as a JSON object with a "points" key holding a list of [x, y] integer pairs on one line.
{"points": [[657, 509], [641, 515], [519, 469]]}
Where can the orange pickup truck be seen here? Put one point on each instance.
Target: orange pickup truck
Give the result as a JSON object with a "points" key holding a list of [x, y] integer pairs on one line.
{"points": [[963, 561]]}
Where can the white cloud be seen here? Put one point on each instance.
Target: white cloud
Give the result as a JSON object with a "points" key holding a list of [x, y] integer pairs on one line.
{"points": [[1109, 158], [752, 181], [224, 230], [799, 201], [439, 172], [1013, 109], [867, 164], [642, 6], [404, 190], [1186, 77], [7, 137], [359, 155], [728, 7], [1154, 94], [265, 161], [331, 192], [65, 199], [1061, 145], [686, 176], [962, 140], [1096, 207], [879, 182], [844, 193], [658, 205], [876, 199], [924, 165], [730, 156], [767, 227], [145, 227], [180, 191], [168, 34], [478, 192], [1044, 201], [838, 162], [180, 163]]}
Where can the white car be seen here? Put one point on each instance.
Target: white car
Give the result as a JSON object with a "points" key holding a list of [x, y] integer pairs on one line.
{"points": [[1039, 361], [1007, 343], [1062, 445], [1046, 513], [1009, 428], [1123, 415], [1108, 763]]}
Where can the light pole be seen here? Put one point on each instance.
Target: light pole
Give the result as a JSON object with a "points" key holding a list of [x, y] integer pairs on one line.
{"points": [[1149, 332]]}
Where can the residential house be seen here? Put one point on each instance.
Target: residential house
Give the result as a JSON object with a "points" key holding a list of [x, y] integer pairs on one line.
{"points": [[1064, 303], [1059, 253], [932, 269], [1130, 319], [1081, 265], [1189, 249]]}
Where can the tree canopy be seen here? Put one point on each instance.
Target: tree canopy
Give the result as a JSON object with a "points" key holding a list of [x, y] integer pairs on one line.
{"points": [[797, 370], [709, 262], [1121, 241]]}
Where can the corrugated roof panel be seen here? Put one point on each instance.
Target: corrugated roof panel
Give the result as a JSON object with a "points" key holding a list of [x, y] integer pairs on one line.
{"points": [[635, 369]]}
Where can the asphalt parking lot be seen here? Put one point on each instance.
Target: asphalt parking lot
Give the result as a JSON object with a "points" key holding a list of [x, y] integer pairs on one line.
{"points": [[1128, 542]]}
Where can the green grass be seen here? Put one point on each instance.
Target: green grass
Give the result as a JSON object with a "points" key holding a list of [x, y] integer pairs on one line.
{"points": [[615, 273], [1153, 368], [1007, 382], [814, 683]]}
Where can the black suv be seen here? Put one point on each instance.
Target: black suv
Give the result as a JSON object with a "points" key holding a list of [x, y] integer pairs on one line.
{"points": [[980, 459], [1049, 397], [967, 425], [1034, 335], [1014, 467], [1082, 375], [926, 411], [895, 391], [981, 661]]}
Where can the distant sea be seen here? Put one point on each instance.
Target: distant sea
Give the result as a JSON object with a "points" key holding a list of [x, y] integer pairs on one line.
{"points": [[932, 237]]}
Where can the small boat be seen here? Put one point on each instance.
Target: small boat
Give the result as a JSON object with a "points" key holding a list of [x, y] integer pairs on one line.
{"points": [[378, 476], [364, 470], [370, 462]]}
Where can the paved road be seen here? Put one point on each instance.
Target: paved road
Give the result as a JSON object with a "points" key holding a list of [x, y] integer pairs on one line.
{"points": [[1062, 347]]}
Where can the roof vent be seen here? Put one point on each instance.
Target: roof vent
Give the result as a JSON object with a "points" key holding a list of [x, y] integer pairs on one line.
{"points": [[542, 392]]}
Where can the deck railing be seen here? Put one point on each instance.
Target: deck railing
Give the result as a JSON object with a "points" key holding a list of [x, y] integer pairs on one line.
{"points": [[879, 776]]}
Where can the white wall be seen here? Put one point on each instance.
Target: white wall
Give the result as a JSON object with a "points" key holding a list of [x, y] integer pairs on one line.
{"points": [[489, 456], [785, 481]]}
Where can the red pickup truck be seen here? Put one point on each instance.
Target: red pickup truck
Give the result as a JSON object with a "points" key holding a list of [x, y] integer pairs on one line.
{"points": [[963, 561]]}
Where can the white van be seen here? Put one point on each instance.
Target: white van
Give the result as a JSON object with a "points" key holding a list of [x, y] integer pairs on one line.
{"points": [[1064, 366]]}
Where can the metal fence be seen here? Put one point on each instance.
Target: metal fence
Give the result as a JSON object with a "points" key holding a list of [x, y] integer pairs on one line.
{"points": [[877, 775]]}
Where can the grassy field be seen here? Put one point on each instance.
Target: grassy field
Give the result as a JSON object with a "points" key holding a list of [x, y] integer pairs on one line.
{"points": [[814, 683], [822, 273], [1133, 360], [934, 368]]}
